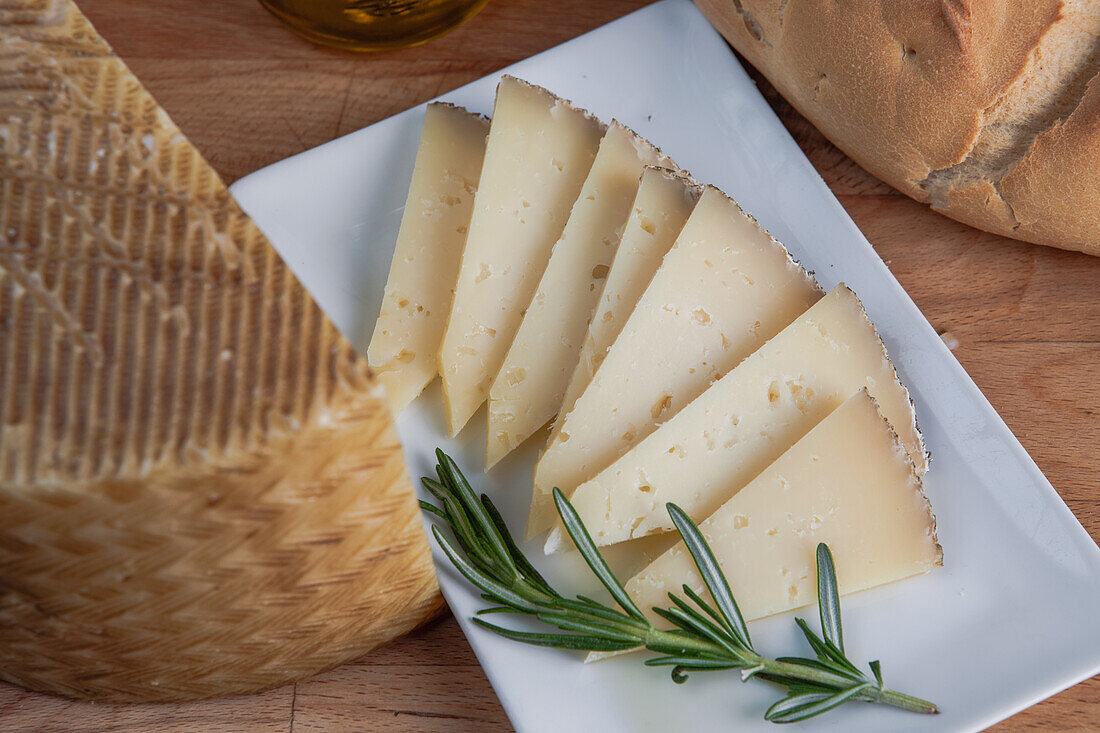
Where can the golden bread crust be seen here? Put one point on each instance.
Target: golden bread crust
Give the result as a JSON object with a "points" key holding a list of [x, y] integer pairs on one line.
{"points": [[954, 102]]}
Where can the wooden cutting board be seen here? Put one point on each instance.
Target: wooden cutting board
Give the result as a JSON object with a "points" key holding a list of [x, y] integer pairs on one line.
{"points": [[1026, 319]]}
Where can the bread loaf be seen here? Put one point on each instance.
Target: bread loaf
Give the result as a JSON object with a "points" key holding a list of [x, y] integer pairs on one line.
{"points": [[988, 110], [201, 490]]}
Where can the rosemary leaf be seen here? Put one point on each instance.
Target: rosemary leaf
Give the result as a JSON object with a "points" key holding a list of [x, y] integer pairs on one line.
{"points": [[474, 506], [432, 508], [699, 663], [797, 686], [828, 598], [687, 623], [606, 631], [526, 569], [436, 489], [823, 666], [562, 641], [592, 556], [502, 593], [825, 650], [800, 707], [712, 575], [702, 604], [604, 612], [876, 670], [503, 609], [703, 622], [466, 535]]}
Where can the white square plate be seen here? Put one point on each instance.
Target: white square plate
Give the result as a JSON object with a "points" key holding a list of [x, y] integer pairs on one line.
{"points": [[1011, 618]]}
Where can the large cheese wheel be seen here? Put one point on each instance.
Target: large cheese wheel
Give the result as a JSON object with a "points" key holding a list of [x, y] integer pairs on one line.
{"points": [[201, 490], [989, 110]]}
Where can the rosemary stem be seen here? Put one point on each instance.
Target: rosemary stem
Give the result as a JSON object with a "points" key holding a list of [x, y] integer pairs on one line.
{"points": [[796, 671], [662, 638], [707, 636], [809, 674], [903, 701]]}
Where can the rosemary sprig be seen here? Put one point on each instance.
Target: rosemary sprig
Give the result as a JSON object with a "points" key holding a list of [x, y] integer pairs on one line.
{"points": [[707, 635]]}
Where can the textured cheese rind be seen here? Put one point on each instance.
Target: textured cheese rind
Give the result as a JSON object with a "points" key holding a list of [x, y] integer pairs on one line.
{"points": [[528, 390], [724, 288], [539, 151], [664, 202], [404, 349], [744, 421], [201, 490], [847, 483]]}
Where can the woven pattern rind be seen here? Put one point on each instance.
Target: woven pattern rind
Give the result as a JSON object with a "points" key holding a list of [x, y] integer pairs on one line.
{"points": [[201, 490]]}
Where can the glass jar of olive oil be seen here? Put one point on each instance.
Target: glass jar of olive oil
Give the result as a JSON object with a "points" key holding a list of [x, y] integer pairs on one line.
{"points": [[373, 25]]}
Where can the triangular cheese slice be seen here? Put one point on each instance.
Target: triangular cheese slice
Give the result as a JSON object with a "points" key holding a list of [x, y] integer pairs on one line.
{"points": [[664, 202], [723, 289], [747, 419], [539, 152], [404, 350], [847, 483], [528, 389]]}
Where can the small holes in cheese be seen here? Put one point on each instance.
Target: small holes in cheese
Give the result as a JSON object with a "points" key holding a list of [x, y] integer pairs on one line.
{"points": [[660, 406], [515, 375]]}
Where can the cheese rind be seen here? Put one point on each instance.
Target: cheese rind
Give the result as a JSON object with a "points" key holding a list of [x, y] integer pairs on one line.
{"points": [[847, 483], [724, 288], [744, 421], [529, 387], [404, 349], [664, 202], [539, 151], [202, 492]]}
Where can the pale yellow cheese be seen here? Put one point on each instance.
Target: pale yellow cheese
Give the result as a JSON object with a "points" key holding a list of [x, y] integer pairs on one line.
{"points": [[847, 483], [664, 202], [724, 288], [404, 350], [528, 389], [744, 421], [539, 152]]}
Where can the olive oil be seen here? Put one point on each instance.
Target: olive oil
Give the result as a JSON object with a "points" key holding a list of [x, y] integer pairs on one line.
{"points": [[373, 25]]}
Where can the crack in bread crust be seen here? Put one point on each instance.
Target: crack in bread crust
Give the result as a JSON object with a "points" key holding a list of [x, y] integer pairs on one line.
{"points": [[1050, 90], [959, 103]]}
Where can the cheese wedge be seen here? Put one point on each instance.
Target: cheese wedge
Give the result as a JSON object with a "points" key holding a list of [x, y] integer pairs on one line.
{"points": [[202, 492], [528, 389], [847, 483], [724, 288], [747, 419], [665, 199], [404, 350], [539, 152]]}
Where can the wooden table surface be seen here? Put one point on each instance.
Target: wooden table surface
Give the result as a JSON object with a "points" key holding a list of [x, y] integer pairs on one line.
{"points": [[248, 93]]}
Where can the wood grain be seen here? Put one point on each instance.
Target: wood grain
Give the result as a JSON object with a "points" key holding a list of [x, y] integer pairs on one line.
{"points": [[1026, 318]]}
